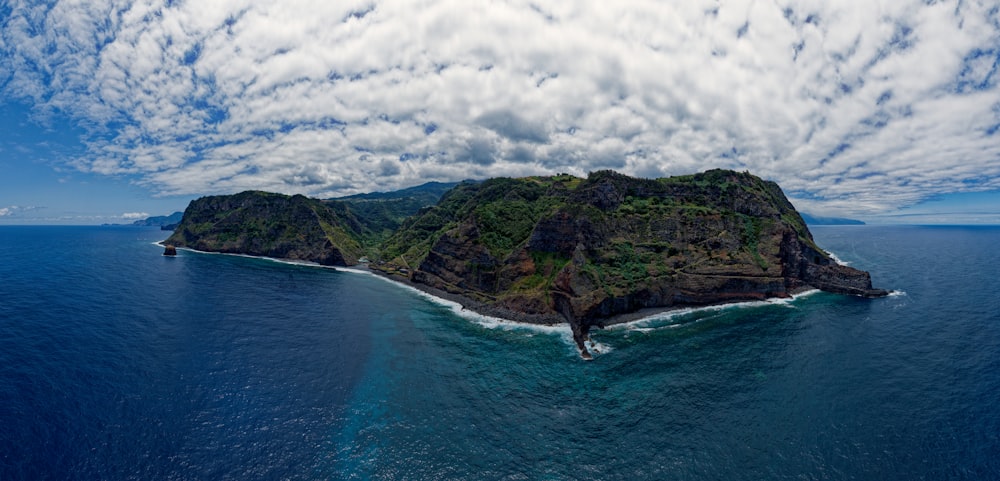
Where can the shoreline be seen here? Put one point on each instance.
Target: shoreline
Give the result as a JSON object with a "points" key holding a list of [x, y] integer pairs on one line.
{"points": [[652, 314], [642, 315], [476, 311]]}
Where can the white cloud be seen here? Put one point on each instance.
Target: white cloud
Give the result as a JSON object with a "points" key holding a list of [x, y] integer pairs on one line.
{"points": [[854, 107], [16, 210], [134, 215]]}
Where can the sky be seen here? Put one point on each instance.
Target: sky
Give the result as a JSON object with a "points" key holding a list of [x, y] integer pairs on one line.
{"points": [[112, 110]]}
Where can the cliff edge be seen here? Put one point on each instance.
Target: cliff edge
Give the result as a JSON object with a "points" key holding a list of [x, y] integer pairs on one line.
{"points": [[550, 249], [271, 225], [553, 249]]}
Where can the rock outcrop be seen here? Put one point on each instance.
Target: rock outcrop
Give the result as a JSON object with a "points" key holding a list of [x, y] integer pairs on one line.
{"points": [[270, 225], [549, 249], [559, 248]]}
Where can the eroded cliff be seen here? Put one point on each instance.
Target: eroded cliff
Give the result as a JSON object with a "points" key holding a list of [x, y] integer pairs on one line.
{"points": [[547, 249], [270, 225]]}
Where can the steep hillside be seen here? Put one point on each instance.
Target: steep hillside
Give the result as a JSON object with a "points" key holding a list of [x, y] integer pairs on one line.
{"points": [[272, 225], [547, 249], [334, 231], [381, 213]]}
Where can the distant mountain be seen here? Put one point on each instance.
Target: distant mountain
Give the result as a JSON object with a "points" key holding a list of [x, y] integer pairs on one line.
{"points": [[817, 220], [383, 212], [160, 220], [431, 191]]}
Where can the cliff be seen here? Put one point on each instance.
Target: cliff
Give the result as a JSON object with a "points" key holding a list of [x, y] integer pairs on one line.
{"points": [[330, 232], [549, 249], [271, 225]]}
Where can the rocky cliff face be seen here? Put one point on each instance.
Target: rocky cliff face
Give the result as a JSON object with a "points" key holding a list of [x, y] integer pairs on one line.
{"points": [[550, 249], [271, 225], [582, 250]]}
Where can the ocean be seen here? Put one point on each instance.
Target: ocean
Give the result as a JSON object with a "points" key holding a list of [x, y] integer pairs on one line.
{"points": [[119, 363]]}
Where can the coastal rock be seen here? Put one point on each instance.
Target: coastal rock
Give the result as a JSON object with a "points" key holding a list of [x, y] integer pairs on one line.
{"points": [[804, 265], [270, 225], [169, 250], [550, 249], [587, 250], [338, 231]]}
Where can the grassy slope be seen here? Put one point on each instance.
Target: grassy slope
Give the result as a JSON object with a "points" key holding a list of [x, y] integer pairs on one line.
{"points": [[709, 222], [716, 221]]}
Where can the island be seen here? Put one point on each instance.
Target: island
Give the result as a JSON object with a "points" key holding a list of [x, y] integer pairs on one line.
{"points": [[547, 249], [164, 222]]}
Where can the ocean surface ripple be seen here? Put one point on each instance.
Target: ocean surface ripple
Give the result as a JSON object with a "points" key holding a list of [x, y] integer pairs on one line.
{"points": [[119, 363]]}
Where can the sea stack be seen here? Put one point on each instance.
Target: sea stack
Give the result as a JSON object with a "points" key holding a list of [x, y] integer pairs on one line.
{"points": [[169, 250]]}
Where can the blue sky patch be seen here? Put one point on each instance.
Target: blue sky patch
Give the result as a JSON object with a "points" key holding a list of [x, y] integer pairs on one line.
{"points": [[858, 115]]}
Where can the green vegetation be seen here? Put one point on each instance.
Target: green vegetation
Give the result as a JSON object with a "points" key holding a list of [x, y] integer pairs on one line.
{"points": [[381, 214], [261, 223], [547, 266], [751, 238], [503, 210], [505, 224], [628, 265], [508, 238]]}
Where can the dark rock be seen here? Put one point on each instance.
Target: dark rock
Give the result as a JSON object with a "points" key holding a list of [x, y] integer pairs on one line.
{"points": [[169, 250], [270, 225], [543, 249], [615, 245]]}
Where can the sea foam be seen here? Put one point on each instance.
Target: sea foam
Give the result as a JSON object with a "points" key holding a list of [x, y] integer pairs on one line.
{"points": [[838, 260], [563, 331], [662, 320], [489, 322], [671, 319]]}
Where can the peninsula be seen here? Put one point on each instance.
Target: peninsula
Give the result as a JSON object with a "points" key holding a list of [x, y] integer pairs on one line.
{"points": [[547, 249]]}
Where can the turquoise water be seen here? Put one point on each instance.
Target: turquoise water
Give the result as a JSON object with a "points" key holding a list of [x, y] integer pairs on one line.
{"points": [[118, 363]]}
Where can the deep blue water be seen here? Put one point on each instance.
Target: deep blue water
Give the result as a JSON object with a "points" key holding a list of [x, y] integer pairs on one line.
{"points": [[118, 363]]}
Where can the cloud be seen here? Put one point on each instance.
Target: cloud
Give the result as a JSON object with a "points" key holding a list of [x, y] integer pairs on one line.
{"points": [[16, 210], [855, 108], [134, 215], [511, 126]]}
